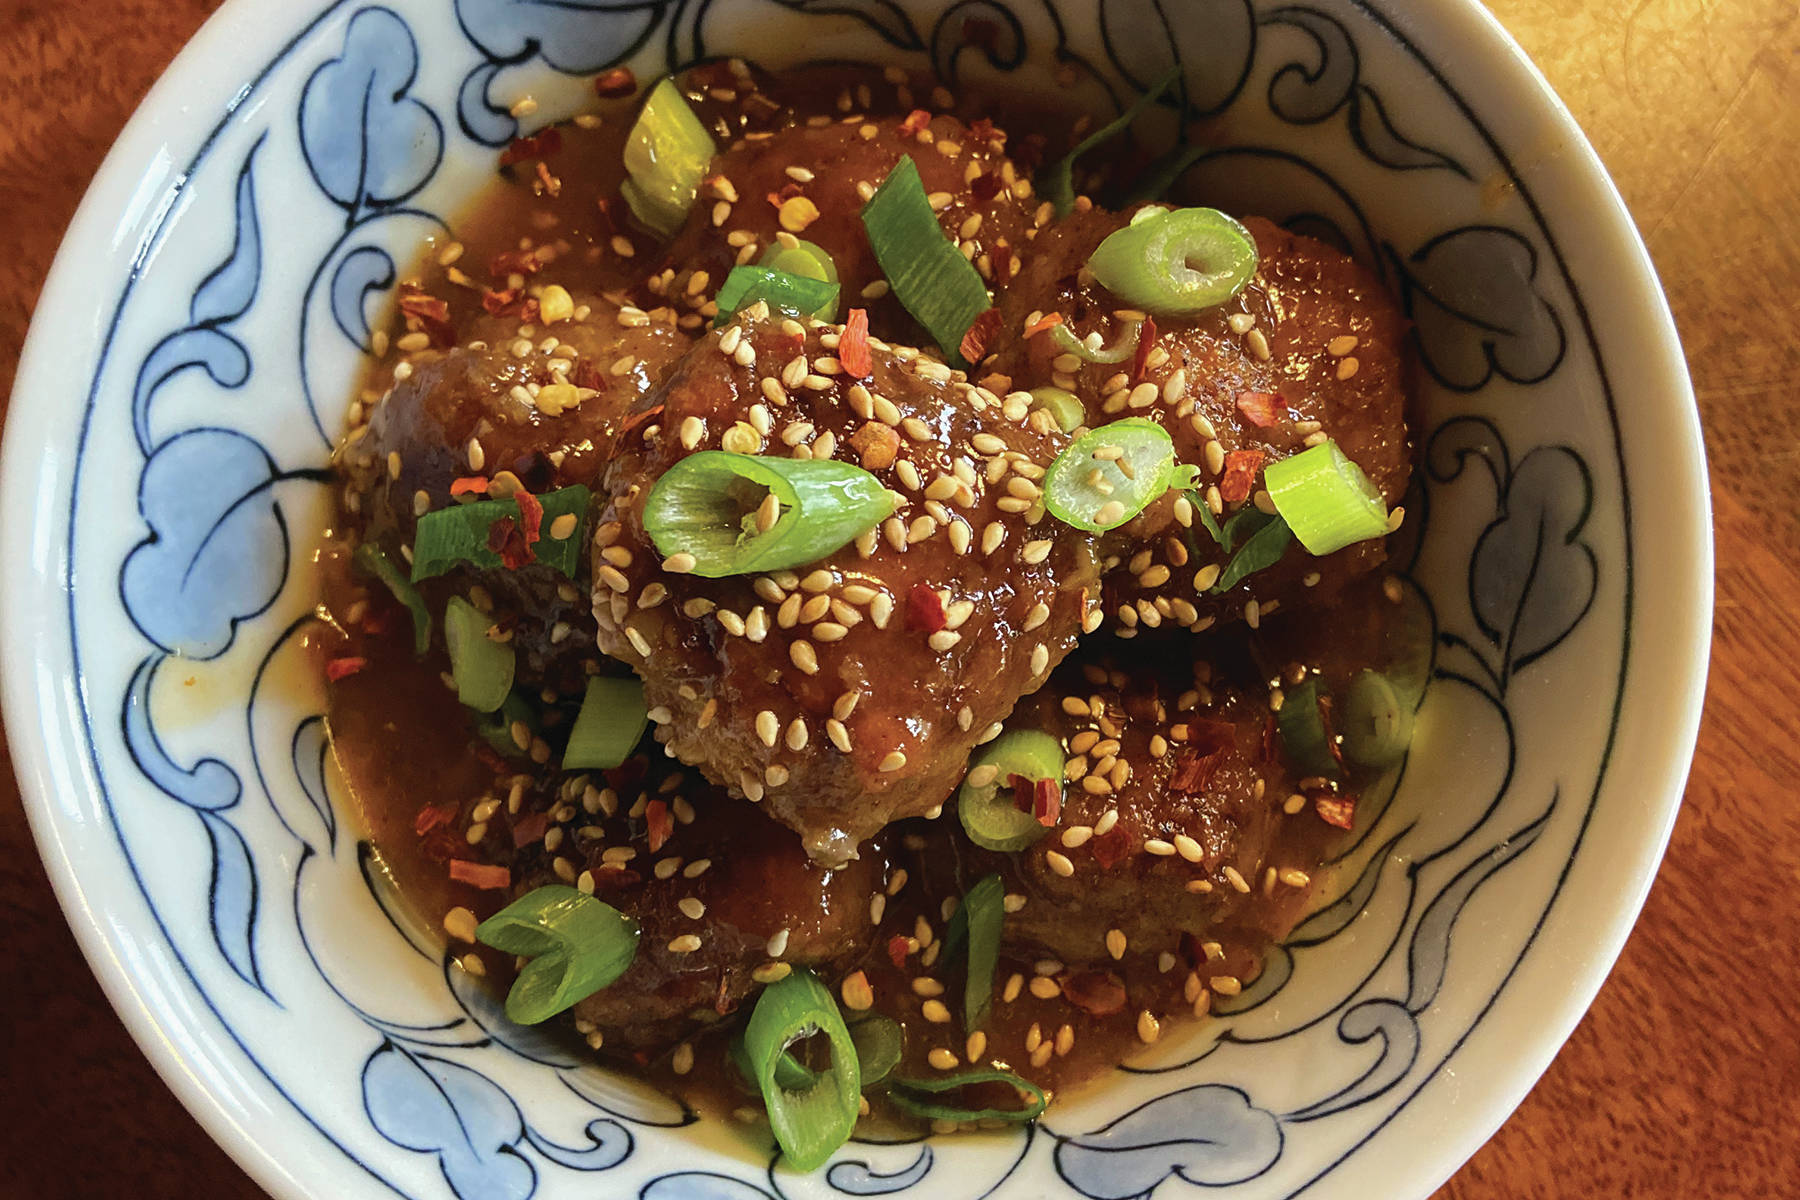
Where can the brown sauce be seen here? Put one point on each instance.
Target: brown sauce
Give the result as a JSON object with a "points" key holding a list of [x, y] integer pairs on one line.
{"points": [[420, 774]]}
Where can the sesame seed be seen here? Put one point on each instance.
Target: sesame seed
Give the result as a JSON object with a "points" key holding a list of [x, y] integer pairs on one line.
{"points": [[1226, 985], [803, 656], [858, 994], [1059, 863], [1236, 880], [777, 945], [687, 943], [1110, 513], [1158, 847], [935, 1012], [1148, 1027], [839, 735], [1115, 943], [1188, 848], [942, 1059], [975, 1046], [1044, 987], [460, 924], [893, 761]]}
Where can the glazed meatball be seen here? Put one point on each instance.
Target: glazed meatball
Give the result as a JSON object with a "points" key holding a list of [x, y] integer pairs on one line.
{"points": [[1171, 817], [846, 693], [810, 181], [1312, 348], [488, 408]]}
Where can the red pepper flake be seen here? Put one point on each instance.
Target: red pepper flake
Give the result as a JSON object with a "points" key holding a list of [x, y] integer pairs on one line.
{"points": [[1194, 769], [1146, 342], [641, 417], [898, 947], [480, 875], [1336, 810], [985, 186], [853, 346], [1111, 847], [588, 376], [658, 824], [432, 816], [788, 192], [430, 314], [980, 337], [982, 129], [1261, 409], [500, 303], [531, 516], [1006, 263], [610, 85], [915, 120], [469, 483], [529, 829], [505, 539], [541, 144], [514, 262], [1043, 323], [340, 668], [611, 878], [1046, 802], [1239, 478], [1096, 993], [791, 342], [1023, 791], [925, 609]]}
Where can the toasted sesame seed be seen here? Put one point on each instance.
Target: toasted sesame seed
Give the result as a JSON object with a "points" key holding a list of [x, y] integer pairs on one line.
{"points": [[1044, 987], [777, 945], [1158, 847], [935, 1012], [460, 924], [942, 1059], [803, 656], [1115, 943], [687, 943], [1148, 1027], [1059, 863], [1235, 879], [893, 761], [858, 994]]}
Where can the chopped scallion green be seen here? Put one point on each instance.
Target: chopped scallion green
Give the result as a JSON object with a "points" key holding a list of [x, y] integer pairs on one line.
{"points": [[986, 810], [1264, 540], [609, 725], [667, 153], [452, 537], [1118, 352], [810, 1123], [1377, 724], [577, 945], [1301, 723], [930, 277], [1108, 475], [707, 505], [1179, 262], [976, 923], [1326, 499], [808, 261], [481, 667], [784, 293], [915, 1096], [1057, 182], [371, 560]]}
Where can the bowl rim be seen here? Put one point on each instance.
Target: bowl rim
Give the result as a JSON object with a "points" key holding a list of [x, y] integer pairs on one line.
{"points": [[134, 171]]}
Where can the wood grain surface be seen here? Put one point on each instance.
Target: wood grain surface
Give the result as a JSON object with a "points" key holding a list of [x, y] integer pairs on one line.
{"points": [[1685, 1077]]}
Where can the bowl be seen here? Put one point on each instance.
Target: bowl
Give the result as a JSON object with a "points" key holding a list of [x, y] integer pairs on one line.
{"points": [[190, 362]]}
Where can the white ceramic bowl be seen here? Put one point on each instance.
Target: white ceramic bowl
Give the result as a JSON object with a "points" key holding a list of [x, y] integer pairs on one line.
{"points": [[191, 357]]}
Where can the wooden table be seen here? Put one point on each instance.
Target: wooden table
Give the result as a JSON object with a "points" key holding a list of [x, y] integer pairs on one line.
{"points": [[1685, 1077]]}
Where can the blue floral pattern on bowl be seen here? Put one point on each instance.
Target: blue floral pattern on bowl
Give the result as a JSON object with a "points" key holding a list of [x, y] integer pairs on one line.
{"points": [[361, 140]]}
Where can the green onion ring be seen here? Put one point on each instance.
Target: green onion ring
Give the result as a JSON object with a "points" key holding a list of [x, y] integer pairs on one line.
{"points": [[1109, 475], [1177, 263]]}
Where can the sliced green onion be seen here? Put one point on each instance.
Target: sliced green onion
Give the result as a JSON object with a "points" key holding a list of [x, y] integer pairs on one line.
{"points": [[809, 261], [1057, 182], [1377, 724], [1265, 540], [1108, 475], [977, 921], [495, 728], [1064, 407], [1178, 262], [987, 812], [880, 1045], [1118, 352], [913, 1096], [450, 537], [667, 153], [707, 503], [577, 945], [793, 294], [609, 725], [481, 667], [1209, 522], [1301, 724], [929, 275], [370, 559], [1326, 499], [811, 1122]]}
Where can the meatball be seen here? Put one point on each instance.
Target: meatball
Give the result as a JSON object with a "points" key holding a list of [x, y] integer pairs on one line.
{"points": [[470, 410], [810, 181], [1312, 348], [1171, 818], [847, 693]]}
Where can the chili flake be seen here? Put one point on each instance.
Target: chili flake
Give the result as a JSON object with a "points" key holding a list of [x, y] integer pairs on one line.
{"points": [[1239, 479]]}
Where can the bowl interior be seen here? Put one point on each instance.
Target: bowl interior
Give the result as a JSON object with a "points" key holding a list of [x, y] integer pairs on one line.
{"points": [[223, 275]]}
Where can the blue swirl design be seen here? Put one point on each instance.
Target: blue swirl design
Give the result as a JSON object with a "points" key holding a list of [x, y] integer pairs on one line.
{"points": [[211, 566]]}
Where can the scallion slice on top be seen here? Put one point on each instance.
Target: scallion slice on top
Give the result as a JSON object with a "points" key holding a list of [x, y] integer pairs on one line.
{"points": [[1265, 540], [1326, 499], [1057, 182], [1377, 722], [609, 725], [976, 924], [481, 667], [919, 1097], [986, 802], [714, 506], [666, 155], [463, 533], [1301, 723], [577, 945], [1178, 262], [810, 1122], [1118, 352], [808, 261], [1108, 475], [794, 294], [930, 277], [370, 559]]}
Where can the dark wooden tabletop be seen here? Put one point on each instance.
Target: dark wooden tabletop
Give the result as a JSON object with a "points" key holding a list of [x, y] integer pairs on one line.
{"points": [[1685, 1077]]}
